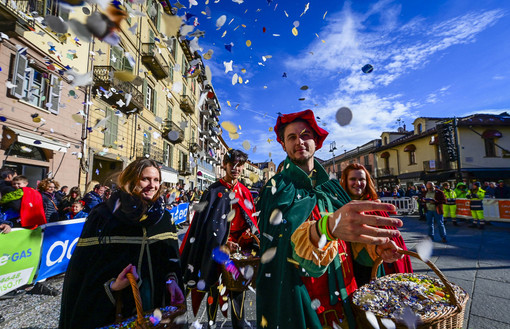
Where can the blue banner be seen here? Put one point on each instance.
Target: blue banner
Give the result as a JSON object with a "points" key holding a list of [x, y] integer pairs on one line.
{"points": [[59, 241], [179, 213]]}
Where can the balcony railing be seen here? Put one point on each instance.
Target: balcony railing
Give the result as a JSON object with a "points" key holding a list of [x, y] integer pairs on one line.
{"points": [[17, 16], [170, 126], [103, 78], [151, 152], [385, 172], [187, 105], [194, 147], [154, 61], [184, 168]]}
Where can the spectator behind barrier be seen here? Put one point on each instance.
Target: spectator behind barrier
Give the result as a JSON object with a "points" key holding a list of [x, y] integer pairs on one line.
{"points": [[77, 211], [94, 197], [50, 204], [502, 191], [6, 176], [65, 206], [23, 207]]}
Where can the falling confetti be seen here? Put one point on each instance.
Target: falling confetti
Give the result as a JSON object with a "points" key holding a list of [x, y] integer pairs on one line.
{"points": [[305, 87], [343, 116], [229, 126], [221, 21], [315, 304], [372, 319], [276, 217], [246, 145], [368, 68], [268, 255], [424, 249], [248, 43], [294, 31]]}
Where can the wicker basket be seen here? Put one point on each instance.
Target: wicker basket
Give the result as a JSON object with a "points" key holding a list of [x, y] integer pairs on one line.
{"points": [[141, 320], [241, 284], [451, 318]]}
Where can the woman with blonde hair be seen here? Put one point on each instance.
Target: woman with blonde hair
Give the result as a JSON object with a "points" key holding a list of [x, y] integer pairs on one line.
{"points": [[129, 233], [358, 183]]}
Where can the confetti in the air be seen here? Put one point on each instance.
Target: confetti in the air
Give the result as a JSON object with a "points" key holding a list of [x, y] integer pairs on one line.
{"points": [[368, 68], [424, 249], [268, 255], [343, 116], [276, 217]]}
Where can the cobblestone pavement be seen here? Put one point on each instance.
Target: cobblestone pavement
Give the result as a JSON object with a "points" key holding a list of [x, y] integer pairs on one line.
{"points": [[477, 260]]}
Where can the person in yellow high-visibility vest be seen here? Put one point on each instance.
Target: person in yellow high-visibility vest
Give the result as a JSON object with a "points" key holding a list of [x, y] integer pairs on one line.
{"points": [[450, 208], [476, 195]]}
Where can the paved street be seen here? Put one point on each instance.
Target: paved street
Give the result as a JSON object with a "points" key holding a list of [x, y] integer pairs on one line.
{"points": [[479, 261]]}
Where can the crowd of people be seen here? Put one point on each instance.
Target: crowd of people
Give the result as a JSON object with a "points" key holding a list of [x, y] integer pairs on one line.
{"points": [[320, 237], [24, 206], [492, 190]]}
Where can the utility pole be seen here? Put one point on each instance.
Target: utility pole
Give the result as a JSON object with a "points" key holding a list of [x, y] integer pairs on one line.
{"points": [[456, 137]]}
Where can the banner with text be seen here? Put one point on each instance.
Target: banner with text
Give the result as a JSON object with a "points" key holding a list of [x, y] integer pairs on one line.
{"points": [[179, 213], [19, 257]]}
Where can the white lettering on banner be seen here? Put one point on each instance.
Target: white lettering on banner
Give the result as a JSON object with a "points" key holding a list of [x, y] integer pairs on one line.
{"points": [[13, 280], [66, 251], [3, 260]]}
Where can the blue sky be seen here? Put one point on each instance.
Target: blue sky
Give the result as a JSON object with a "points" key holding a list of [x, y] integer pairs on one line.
{"points": [[430, 58]]}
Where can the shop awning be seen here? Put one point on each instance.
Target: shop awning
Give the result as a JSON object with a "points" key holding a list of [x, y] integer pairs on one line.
{"points": [[492, 133], [168, 175], [440, 176], [32, 139], [385, 155], [410, 148], [410, 175]]}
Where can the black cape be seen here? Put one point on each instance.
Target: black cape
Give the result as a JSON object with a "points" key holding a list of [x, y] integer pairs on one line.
{"points": [[110, 240], [208, 230]]}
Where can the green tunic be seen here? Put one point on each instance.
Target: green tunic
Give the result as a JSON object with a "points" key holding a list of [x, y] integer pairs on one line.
{"points": [[282, 298]]}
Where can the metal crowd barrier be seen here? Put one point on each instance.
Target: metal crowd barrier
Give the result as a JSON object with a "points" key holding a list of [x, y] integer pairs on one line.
{"points": [[405, 205]]}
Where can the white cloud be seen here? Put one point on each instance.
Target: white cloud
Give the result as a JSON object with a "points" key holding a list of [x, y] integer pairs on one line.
{"points": [[395, 50], [487, 111]]}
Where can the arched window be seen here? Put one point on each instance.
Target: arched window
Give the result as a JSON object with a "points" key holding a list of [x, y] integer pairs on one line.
{"points": [[385, 140], [419, 128], [411, 149], [27, 151]]}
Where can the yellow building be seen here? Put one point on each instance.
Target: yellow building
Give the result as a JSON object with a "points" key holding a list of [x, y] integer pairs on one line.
{"points": [[43, 108], [145, 100], [428, 153]]}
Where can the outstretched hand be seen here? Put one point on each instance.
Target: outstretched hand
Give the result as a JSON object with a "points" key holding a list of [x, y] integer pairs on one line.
{"points": [[122, 281], [350, 223], [5, 228]]}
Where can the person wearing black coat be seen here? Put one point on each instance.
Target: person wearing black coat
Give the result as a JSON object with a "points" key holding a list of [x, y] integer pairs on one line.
{"points": [[130, 232], [50, 204]]}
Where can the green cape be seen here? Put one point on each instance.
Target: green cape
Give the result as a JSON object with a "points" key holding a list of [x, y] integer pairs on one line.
{"points": [[282, 298]]}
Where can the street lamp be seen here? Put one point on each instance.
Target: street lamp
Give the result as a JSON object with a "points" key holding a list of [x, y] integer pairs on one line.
{"points": [[332, 148]]}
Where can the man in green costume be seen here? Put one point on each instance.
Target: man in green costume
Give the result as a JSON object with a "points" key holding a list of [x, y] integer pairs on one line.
{"points": [[307, 224]]}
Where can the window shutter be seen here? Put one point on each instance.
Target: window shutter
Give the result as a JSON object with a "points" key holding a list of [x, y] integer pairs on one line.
{"points": [[107, 132], [144, 92], [18, 76], [169, 113], [54, 93], [114, 128], [151, 36], [158, 22], [119, 55], [154, 102]]}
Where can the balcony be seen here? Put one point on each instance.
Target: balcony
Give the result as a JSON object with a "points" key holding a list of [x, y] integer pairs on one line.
{"points": [[169, 126], [154, 61], [186, 50], [194, 147], [432, 165], [104, 80], [385, 172], [150, 151], [16, 16], [187, 105], [184, 168]]}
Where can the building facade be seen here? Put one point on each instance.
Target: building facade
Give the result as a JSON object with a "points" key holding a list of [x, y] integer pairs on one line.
{"points": [[42, 117]]}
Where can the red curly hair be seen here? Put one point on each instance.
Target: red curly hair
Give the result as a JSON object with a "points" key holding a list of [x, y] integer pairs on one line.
{"points": [[370, 192]]}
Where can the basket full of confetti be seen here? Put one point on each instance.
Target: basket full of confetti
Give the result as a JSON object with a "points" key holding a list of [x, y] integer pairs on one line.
{"points": [[409, 300], [240, 270], [166, 317]]}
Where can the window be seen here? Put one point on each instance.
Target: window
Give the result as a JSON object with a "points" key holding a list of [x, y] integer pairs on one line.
{"points": [[27, 151], [111, 131], [169, 113], [490, 148], [34, 85], [153, 12], [168, 154], [419, 128], [412, 157], [118, 59], [385, 140], [366, 161], [148, 97], [184, 65], [173, 47]]}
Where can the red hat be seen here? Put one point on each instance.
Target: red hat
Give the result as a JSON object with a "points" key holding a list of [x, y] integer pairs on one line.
{"points": [[306, 115]]}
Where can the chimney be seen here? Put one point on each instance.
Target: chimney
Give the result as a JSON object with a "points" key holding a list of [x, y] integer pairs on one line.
{"points": [[404, 127]]}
